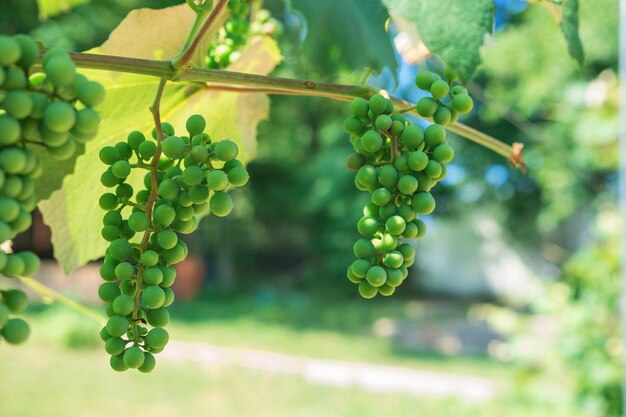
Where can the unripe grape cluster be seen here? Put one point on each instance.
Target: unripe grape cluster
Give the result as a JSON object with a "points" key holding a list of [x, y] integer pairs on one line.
{"points": [[232, 37], [187, 177], [52, 109], [398, 163]]}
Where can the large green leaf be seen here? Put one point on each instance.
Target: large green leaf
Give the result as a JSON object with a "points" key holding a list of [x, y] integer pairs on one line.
{"points": [[72, 212], [569, 26], [452, 29], [48, 8], [348, 33]]}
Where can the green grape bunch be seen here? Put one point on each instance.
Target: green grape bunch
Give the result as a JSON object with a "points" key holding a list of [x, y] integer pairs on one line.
{"points": [[242, 24], [51, 107], [187, 177], [398, 163]]}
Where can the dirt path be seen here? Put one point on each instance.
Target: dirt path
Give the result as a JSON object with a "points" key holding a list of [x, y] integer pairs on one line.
{"points": [[374, 378]]}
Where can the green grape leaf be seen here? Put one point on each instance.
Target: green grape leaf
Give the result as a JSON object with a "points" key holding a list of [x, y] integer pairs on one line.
{"points": [[73, 213], [347, 33], [48, 8], [569, 26], [452, 29]]}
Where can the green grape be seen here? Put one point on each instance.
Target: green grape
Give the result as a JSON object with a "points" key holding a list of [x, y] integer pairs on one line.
{"points": [[157, 338], [16, 301], [29, 51], [59, 117], [367, 175], [238, 176], [15, 331], [425, 80], [401, 163], [193, 175], [150, 258], [117, 363], [434, 169], [407, 251], [87, 121], [9, 209], [406, 212], [352, 277], [15, 266], [108, 292], [359, 107], [377, 104], [226, 150], [366, 290], [383, 122], [407, 184], [120, 249], [14, 79], [386, 290], [388, 176], [410, 231], [412, 137], [462, 103], [123, 304], [152, 276], [64, 151], [393, 259], [124, 270], [376, 276], [394, 277], [434, 135], [427, 107], [114, 345], [372, 141], [10, 130], [195, 124], [121, 169], [109, 155], [423, 203], [108, 201], [173, 147], [167, 239], [133, 357], [421, 227], [18, 104], [147, 149], [418, 160], [117, 326], [395, 225], [113, 218], [352, 125], [164, 215], [158, 317], [135, 139], [367, 226], [90, 93], [138, 221], [10, 51], [360, 267], [169, 189], [148, 363], [443, 153], [60, 70], [13, 160], [363, 249], [199, 153], [439, 89], [31, 263], [177, 254], [221, 204], [381, 197], [199, 194], [442, 116]]}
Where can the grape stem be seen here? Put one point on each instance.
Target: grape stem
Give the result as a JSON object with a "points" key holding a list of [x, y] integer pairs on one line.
{"points": [[155, 109], [48, 292], [198, 32], [253, 83]]}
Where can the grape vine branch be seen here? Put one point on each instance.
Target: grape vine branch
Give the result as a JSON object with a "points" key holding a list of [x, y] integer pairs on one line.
{"points": [[252, 83]]}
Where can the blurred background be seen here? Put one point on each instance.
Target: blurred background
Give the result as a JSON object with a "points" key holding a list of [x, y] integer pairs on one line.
{"points": [[510, 310]]}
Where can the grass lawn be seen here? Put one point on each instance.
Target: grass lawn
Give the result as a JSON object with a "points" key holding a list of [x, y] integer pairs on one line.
{"points": [[62, 370]]}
